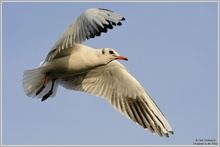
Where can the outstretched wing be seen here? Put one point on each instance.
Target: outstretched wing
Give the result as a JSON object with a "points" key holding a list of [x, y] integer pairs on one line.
{"points": [[89, 24], [124, 92]]}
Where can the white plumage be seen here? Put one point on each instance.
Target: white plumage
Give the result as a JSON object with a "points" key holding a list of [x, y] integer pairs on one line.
{"points": [[96, 71]]}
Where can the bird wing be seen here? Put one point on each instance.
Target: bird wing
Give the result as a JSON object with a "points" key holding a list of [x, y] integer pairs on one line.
{"points": [[124, 92], [89, 24]]}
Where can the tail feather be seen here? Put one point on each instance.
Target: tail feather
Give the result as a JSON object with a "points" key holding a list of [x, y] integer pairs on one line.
{"points": [[33, 80]]}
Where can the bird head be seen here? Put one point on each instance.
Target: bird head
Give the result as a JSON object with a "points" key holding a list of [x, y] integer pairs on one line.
{"points": [[110, 54]]}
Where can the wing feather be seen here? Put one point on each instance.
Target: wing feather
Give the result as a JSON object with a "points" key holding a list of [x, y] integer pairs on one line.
{"points": [[130, 111], [127, 96], [89, 24]]}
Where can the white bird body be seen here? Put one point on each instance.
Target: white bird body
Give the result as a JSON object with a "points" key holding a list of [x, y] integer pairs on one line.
{"points": [[73, 60], [96, 71]]}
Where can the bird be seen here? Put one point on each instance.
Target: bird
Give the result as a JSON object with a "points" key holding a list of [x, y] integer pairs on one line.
{"points": [[78, 67]]}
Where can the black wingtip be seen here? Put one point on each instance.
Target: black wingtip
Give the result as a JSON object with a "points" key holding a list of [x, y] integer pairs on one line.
{"points": [[119, 23], [43, 99], [122, 19]]}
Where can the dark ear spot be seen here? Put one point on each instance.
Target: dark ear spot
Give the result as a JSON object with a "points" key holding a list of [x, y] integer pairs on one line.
{"points": [[103, 51]]}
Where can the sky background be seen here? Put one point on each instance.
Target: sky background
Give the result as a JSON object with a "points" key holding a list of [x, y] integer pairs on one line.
{"points": [[172, 49]]}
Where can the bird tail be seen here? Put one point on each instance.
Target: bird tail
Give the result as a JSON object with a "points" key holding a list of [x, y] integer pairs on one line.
{"points": [[34, 79]]}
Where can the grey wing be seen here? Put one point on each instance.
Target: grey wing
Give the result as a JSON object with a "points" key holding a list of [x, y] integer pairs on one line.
{"points": [[89, 24], [124, 92]]}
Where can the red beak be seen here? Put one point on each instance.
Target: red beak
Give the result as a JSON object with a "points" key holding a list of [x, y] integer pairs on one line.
{"points": [[121, 58]]}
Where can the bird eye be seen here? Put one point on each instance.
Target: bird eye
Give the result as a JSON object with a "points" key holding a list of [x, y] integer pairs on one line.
{"points": [[111, 52]]}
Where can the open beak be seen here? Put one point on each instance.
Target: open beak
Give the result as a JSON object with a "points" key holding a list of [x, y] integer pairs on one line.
{"points": [[121, 58]]}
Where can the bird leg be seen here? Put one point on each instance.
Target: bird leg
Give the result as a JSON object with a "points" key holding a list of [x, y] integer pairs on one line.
{"points": [[44, 84], [50, 92]]}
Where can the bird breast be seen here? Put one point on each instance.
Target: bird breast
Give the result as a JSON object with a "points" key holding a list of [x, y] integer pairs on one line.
{"points": [[73, 61]]}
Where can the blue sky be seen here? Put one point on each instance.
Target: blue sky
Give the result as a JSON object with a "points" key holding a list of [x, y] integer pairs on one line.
{"points": [[172, 49]]}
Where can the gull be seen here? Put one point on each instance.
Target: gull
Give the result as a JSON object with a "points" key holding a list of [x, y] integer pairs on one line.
{"points": [[82, 68]]}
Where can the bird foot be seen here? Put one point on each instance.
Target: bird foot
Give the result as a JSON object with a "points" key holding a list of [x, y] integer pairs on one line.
{"points": [[50, 92], [46, 96], [44, 84]]}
